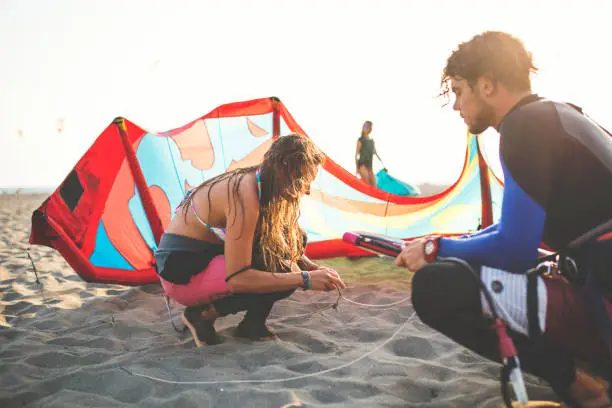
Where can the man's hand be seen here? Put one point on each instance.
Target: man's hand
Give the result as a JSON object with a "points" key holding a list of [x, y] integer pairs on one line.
{"points": [[413, 255]]}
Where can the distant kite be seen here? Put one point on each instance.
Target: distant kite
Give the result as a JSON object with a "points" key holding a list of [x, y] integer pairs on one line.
{"points": [[60, 125]]}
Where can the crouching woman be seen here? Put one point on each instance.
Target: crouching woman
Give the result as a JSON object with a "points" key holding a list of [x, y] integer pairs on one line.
{"points": [[235, 244]]}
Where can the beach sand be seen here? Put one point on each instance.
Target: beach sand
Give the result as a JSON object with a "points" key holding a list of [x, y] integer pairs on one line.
{"points": [[67, 343]]}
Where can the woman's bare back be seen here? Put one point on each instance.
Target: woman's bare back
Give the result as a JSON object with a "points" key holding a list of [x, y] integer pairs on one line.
{"points": [[214, 213]]}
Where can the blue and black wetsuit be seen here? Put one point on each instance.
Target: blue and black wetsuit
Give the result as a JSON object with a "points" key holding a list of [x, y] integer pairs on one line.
{"points": [[557, 168], [558, 184]]}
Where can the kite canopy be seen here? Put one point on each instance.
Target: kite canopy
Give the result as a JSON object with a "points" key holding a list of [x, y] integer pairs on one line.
{"points": [[387, 182], [107, 216]]}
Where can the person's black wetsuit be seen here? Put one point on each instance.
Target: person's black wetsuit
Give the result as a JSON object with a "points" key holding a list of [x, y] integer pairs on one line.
{"points": [[557, 167]]}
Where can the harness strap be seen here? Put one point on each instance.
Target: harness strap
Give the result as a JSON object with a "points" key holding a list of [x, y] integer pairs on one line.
{"points": [[533, 318]]}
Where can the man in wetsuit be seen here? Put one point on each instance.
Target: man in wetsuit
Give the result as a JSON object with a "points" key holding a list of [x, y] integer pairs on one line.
{"points": [[557, 166]]}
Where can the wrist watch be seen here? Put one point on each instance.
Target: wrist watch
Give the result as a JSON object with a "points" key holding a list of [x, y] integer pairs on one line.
{"points": [[431, 248]]}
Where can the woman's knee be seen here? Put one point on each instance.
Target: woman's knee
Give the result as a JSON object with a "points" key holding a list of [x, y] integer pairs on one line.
{"points": [[276, 296]]}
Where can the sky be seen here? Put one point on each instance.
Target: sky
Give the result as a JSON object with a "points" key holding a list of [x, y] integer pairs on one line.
{"points": [[334, 64]]}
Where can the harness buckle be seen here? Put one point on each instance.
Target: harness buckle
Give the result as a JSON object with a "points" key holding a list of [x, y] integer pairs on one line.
{"points": [[546, 268]]}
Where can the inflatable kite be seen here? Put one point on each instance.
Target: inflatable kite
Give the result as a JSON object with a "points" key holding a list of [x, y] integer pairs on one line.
{"points": [[388, 183], [108, 214]]}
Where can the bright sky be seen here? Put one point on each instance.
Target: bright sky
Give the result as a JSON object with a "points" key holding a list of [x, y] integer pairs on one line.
{"points": [[334, 63]]}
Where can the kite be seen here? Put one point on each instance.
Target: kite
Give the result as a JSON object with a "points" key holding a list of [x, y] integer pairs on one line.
{"points": [[109, 213]]}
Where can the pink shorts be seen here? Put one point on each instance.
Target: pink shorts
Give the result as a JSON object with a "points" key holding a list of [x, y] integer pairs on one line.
{"points": [[203, 288]]}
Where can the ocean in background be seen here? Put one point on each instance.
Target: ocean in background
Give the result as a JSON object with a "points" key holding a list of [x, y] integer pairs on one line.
{"points": [[26, 190]]}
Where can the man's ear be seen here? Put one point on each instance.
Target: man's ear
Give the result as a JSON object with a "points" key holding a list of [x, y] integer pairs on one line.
{"points": [[487, 85]]}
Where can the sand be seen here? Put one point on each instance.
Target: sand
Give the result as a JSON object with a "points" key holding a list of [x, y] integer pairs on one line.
{"points": [[67, 343]]}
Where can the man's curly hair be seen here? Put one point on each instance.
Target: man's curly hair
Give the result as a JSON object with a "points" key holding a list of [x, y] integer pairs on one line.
{"points": [[496, 54]]}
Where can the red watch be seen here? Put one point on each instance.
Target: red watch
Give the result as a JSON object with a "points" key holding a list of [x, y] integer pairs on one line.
{"points": [[431, 248]]}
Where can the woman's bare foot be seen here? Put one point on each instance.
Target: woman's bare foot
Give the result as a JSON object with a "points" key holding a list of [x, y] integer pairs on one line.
{"points": [[200, 321], [590, 392]]}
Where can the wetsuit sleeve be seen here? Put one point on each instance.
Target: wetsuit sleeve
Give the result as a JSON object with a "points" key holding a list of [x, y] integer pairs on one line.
{"points": [[510, 245], [490, 228], [530, 157]]}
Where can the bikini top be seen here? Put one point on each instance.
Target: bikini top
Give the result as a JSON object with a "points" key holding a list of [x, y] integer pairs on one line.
{"points": [[219, 232]]}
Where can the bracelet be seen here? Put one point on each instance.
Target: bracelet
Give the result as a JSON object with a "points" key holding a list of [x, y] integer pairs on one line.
{"points": [[305, 279]]}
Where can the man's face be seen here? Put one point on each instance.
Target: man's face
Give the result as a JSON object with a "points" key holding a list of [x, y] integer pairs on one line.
{"points": [[477, 114]]}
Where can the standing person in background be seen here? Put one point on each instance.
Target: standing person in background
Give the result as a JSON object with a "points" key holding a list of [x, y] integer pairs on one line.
{"points": [[365, 153]]}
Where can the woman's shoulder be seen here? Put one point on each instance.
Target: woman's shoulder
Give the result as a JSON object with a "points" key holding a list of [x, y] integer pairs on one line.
{"points": [[245, 185], [245, 195], [249, 185], [242, 187]]}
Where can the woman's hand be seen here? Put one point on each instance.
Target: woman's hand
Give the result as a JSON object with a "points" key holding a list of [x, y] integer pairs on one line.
{"points": [[325, 279]]}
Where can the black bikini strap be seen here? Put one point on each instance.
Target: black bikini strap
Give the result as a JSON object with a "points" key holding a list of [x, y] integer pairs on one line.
{"points": [[237, 272]]}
